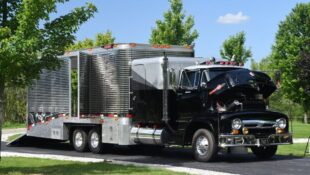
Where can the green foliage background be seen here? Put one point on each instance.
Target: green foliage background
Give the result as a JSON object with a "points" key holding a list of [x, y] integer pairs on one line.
{"points": [[29, 42], [15, 104], [234, 49], [292, 43], [175, 29]]}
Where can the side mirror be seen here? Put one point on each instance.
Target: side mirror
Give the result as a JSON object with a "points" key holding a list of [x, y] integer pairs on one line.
{"points": [[203, 85]]}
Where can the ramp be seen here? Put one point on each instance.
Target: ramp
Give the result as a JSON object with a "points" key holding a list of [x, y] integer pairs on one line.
{"points": [[18, 140]]}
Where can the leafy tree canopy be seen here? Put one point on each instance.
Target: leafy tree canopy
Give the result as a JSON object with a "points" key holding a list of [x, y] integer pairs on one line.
{"points": [[101, 40], [31, 41], [234, 49], [291, 46], [175, 29]]}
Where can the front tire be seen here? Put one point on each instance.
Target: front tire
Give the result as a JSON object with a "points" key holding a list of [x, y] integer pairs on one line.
{"points": [[265, 152], [79, 140], [94, 141], [204, 145]]}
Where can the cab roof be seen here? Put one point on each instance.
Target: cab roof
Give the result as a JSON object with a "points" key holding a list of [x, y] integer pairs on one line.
{"points": [[195, 67]]}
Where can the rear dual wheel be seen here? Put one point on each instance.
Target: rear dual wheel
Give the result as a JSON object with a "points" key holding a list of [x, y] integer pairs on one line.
{"points": [[82, 141], [94, 141], [79, 140]]}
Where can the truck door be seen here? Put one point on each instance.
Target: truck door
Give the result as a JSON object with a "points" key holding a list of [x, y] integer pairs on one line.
{"points": [[189, 96]]}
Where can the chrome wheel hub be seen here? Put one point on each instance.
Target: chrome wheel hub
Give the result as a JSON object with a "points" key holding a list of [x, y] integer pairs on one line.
{"points": [[78, 139], [202, 145], [94, 140]]}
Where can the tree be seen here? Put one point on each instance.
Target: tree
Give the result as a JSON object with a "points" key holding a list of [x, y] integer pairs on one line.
{"points": [[233, 49], [174, 29], [101, 40], [277, 101], [8, 10], [30, 41], [292, 42], [304, 72]]}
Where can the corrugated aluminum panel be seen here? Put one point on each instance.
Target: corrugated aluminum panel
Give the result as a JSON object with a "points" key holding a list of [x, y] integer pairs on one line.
{"points": [[109, 74], [84, 69], [51, 93]]}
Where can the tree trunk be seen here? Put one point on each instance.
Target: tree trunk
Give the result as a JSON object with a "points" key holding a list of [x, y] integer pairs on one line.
{"points": [[1, 109], [305, 117]]}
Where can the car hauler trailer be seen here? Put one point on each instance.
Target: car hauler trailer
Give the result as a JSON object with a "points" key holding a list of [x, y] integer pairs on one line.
{"points": [[120, 95], [129, 94]]}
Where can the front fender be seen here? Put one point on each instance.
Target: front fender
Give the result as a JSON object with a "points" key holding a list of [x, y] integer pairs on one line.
{"points": [[209, 122]]}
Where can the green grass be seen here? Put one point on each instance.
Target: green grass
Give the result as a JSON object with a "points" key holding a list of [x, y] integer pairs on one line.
{"points": [[296, 149], [13, 137], [300, 130], [10, 125], [20, 166]]}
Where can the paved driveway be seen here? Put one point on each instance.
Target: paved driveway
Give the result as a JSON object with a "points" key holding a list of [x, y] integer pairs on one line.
{"points": [[236, 164]]}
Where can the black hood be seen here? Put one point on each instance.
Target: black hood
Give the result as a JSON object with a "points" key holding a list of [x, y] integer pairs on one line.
{"points": [[241, 80]]}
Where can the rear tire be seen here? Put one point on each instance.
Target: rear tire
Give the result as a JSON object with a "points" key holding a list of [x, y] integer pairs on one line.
{"points": [[204, 145], [264, 152], [79, 140], [94, 141]]}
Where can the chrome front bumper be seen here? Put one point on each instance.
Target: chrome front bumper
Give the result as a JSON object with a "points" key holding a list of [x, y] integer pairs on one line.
{"points": [[251, 140]]}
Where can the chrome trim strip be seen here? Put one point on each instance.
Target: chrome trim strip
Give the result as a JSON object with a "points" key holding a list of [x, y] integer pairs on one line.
{"points": [[261, 122]]}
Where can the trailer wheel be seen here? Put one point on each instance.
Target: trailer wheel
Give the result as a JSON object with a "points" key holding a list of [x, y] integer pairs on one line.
{"points": [[79, 140], [264, 152], [204, 145], [94, 141]]}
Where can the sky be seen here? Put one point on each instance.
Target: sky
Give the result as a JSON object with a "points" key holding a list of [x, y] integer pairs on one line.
{"points": [[215, 20]]}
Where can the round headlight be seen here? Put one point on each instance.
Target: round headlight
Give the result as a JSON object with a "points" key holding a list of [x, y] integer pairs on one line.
{"points": [[281, 123], [236, 124]]}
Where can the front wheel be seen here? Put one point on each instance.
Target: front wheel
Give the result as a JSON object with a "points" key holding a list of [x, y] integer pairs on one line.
{"points": [[204, 145], [265, 152]]}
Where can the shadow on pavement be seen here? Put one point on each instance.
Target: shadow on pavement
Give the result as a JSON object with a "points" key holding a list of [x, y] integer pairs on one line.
{"points": [[172, 155]]}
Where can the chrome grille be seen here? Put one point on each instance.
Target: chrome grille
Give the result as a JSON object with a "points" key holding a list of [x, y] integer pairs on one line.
{"points": [[258, 123]]}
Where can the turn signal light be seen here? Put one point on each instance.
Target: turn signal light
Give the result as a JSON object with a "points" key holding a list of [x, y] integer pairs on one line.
{"points": [[245, 131], [279, 131], [235, 132]]}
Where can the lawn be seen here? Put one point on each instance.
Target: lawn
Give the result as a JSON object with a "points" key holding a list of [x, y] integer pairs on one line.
{"points": [[9, 125], [301, 130], [296, 149], [20, 166]]}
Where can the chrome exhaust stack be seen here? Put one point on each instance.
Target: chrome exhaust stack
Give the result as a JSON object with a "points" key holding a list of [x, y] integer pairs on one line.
{"points": [[149, 136]]}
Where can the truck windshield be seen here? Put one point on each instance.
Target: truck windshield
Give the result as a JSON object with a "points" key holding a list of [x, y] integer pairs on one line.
{"points": [[190, 79], [214, 72]]}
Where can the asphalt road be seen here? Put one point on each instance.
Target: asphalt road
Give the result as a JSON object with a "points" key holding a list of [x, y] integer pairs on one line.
{"points": [[229, 163]]}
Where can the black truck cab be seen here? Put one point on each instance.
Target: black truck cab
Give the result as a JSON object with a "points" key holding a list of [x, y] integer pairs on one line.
{"points": [[222, 105]]}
